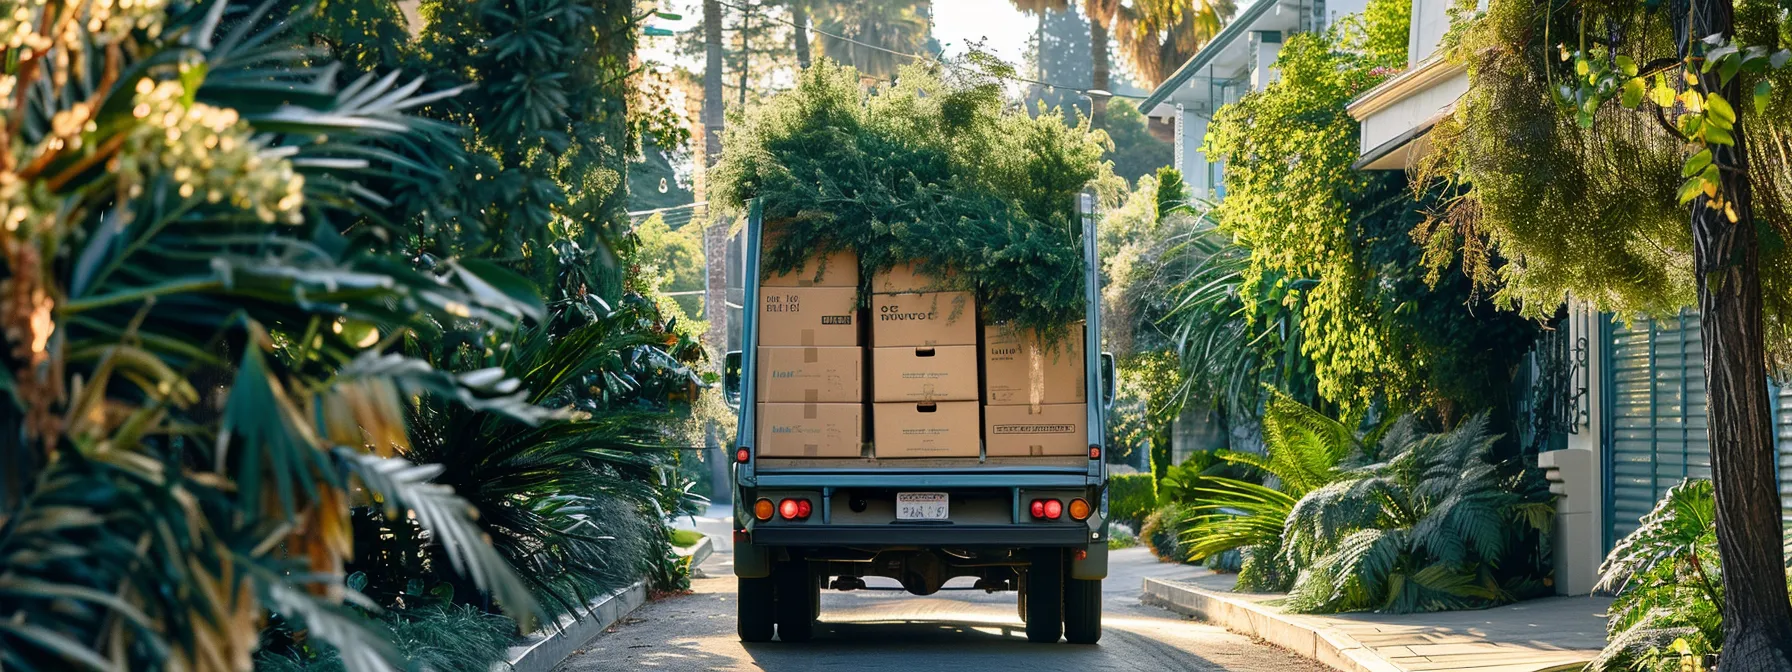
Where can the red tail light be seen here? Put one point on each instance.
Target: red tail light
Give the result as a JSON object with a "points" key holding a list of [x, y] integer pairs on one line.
{"points": [[1046, 509], [1038, 508], [1094, 452], [795, 509], [741, 456]]}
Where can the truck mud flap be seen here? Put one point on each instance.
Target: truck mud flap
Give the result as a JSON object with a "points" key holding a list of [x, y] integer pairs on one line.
{"points": [[751, 561], [1093, 565]]}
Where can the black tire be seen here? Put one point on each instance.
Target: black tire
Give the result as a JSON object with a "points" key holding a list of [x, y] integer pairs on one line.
{"points": [[1045, 596], [1082, 610], [797, 595], [755, 616]]}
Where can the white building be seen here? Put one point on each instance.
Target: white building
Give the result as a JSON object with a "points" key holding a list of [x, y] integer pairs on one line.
{"points": [[1239, 60]]}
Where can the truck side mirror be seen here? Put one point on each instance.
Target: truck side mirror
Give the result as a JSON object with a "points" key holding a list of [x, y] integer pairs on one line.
{"points": [[1109, 378], [731, 379]]}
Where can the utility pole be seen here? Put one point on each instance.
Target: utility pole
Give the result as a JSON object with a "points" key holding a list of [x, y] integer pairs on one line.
{"points": [[715, 240], [799, 15]]}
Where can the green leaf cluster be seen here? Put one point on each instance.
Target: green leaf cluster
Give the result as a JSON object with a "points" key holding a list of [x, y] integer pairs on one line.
{"points": [[935, 168], [1593, 204], [1327, 277], [1668, 584]]}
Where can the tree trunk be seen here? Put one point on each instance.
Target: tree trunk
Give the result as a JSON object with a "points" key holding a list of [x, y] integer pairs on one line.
{"points": [[1098, 54], [799, 15], [712, 82], [746, 29], [1756, 616]]}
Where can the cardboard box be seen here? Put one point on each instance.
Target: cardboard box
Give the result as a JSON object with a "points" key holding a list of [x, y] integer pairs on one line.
{"points": [[811, 430], [1020, 431], [838, 269], [1009, 357], [811, 375], [904, 279], [932, 318], [809, 316], [927, 373], [945, 429]]}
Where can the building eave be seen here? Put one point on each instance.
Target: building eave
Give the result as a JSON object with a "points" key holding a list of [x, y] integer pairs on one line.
{"points": [[1231, 33], [1416, 79]]}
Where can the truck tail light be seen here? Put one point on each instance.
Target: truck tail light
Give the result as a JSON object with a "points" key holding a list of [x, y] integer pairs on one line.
{"points": [[795, 509], [1094, 452], [1079, 509], [1038, 508], [1046, 509], [762, 509], [742, 455]]}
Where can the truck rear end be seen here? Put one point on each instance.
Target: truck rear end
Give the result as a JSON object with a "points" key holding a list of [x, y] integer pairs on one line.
{"points": [[1032, 524]]}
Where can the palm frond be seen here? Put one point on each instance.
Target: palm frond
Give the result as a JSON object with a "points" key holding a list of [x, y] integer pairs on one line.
{"points": [[450, 518]]}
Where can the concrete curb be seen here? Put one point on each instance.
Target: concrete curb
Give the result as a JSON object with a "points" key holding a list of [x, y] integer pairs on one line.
{"points": [[1330, 646], [698, 552], [546, 648], [1322, 644]]}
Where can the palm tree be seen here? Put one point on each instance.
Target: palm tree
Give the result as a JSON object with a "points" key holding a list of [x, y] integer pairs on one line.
{"points": [[1101, 14], [881, 30], [1158, 36], [196, 379]]}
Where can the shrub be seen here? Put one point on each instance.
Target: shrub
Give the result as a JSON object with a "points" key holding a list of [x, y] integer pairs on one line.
{"points": [[1131, 497], [1437, 526], [1160, 534], [1120, 537]]}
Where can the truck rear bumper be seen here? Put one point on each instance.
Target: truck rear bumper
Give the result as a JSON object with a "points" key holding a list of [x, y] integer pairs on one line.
{"points": [[947, 536]]}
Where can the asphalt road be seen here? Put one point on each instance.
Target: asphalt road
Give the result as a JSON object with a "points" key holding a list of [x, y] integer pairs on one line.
{"points": [[877, 630]]}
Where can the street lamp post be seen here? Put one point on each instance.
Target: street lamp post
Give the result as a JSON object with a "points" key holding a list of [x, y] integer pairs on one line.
{"points": [[1094, 95]]}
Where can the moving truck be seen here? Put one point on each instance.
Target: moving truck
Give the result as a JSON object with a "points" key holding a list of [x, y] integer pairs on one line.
{"points": [[921, 447]]}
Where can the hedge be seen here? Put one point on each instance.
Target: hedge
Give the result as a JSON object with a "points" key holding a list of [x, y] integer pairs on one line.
{"points": [[1131, 497]]}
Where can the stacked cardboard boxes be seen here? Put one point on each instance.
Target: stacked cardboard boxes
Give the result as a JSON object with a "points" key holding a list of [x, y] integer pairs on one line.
{"points": [[810, 384], [924, 367], [1034, 394]]}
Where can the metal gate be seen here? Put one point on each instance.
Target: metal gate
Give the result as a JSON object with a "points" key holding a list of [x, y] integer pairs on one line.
{"points": [[1782, 412], [1655, 416]]}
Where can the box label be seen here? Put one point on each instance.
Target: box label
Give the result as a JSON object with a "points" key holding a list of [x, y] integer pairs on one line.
{"points": [[808, 316], [932, 318]]}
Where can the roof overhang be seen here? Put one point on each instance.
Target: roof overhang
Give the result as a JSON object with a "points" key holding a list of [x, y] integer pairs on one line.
{"points": [[1396, 115], [1240, 26]]}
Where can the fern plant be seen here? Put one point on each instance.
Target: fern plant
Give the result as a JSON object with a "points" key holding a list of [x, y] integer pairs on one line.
{"points": [[1303, 452], [1437, 526], [1667, 583]]}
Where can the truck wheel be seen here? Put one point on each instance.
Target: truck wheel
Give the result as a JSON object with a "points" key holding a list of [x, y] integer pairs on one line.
{"points": [[1082, 610], [754, 617], [797, 595], [1045, 596]]}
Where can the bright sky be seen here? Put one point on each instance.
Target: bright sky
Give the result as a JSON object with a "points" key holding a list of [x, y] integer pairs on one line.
{"points": [[1002, 28]]}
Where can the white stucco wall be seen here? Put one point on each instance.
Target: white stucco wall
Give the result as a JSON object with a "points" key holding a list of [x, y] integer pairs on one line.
{"points": [[1430, 20], [1191, 132]]}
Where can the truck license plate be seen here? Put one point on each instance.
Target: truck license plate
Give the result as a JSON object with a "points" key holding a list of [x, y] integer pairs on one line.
{"points": [[920, 506]]}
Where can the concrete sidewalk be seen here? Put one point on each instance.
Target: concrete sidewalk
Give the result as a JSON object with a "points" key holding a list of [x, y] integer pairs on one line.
{"points": [[1556, 633]]}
